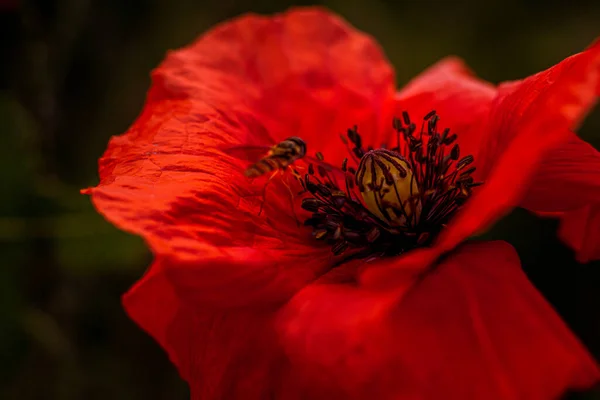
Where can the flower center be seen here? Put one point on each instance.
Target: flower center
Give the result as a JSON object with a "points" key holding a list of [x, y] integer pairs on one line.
{"points": [[409, 192]]}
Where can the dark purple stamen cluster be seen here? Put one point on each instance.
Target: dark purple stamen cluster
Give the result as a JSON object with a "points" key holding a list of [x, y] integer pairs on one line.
{"points": [[338, 216], [443, 181]]}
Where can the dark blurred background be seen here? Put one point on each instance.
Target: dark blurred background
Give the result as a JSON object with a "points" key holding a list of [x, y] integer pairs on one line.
{"points": [[75, 72]]}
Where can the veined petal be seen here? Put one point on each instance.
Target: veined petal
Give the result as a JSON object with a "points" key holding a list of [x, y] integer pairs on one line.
{"points": [[567, 185], [567, 178], [472, 328], [252, 81]]}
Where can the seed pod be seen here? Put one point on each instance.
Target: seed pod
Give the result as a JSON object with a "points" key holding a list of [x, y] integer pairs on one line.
{"points": [[385, 181]]}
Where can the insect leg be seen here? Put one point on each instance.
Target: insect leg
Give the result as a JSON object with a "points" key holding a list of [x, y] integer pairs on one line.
{"points": [[264, 192], [286, 182]]}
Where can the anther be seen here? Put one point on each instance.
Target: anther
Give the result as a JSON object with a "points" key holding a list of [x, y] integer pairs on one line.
{"points": [[311, 204], [467, 172], [320, 233], [337, 233], [323, 190], [445, 134], [373, 234], [311, 187], [429, 115], [331, 224], [431, 124], [455, 152], [339, 247], [352, 237], [321, 170], [450, 139], [355, 137], [464, 162]]}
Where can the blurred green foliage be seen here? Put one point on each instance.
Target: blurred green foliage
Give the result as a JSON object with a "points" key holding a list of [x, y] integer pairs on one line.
{"points": [[75, 72]]}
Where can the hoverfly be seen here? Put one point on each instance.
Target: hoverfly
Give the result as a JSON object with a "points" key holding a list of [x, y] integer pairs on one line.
{"points": [[279, 158]]}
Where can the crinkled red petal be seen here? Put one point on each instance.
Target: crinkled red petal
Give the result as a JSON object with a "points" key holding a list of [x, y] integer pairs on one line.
{"points": [[568, 183], [305, 72], [472, 328], [252, 81]]}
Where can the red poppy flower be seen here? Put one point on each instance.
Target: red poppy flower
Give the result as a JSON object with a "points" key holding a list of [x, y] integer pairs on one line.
{"points": [[250, 304]]}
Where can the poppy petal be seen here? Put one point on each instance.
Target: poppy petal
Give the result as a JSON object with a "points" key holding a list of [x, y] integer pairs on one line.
{"points": [[568, 183], [252, 81], [473, 328], [305, 72], [193, 206], [528, 119], [568, 178], [581, 230], [211, 348], [460, 99]]}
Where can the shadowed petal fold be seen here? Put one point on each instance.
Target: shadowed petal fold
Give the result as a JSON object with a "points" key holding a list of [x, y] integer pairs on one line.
{"points": [[567, 185], [211, 348], [473, 328], [580, 229]]}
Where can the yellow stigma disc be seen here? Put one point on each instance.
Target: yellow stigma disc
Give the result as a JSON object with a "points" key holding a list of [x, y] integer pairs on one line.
{"points": [[389, 191]]}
